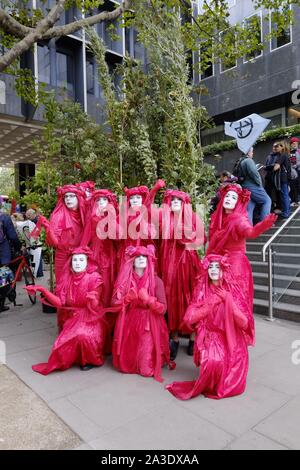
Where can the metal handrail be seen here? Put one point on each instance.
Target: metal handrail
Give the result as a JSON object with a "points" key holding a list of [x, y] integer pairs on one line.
{"points": [[269, 242], [266, 246]]}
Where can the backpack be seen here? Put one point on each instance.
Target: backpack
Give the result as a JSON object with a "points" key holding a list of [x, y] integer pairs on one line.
{"points": [[238, 171]]}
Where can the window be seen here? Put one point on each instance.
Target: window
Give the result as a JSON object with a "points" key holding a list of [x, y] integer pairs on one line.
{"points": [[253, 24], [280, 31], [228, 39], [206, 63], [43, 54], [64, 68], [90, 76]]}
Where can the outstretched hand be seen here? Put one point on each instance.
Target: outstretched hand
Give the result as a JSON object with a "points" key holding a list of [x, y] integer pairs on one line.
{"points": [[31, 289]]}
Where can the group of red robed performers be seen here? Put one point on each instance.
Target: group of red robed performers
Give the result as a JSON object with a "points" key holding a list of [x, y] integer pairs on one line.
{"points": [[135, 294]]}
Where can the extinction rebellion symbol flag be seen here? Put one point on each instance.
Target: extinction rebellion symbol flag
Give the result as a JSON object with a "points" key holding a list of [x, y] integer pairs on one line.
{"points": [[247, 130]]}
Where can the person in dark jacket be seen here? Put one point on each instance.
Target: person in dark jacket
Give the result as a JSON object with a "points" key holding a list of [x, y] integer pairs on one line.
{"points": [[252, 181], [8, 239], [272, 186], [283, 168]]}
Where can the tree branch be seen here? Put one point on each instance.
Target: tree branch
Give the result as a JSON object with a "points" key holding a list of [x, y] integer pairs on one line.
{"points": [[70, 28], [45, 29], [12, 26], [35, 35]]}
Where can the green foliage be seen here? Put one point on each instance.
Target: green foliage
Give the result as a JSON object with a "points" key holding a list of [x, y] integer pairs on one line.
{"points": [[7, 181]]}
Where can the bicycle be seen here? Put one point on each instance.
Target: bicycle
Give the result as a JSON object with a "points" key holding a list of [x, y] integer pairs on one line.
{"points": [[25, 269]]}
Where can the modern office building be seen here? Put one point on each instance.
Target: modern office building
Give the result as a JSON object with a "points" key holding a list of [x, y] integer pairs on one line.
{"points": [[65, 65], [262, 83]]}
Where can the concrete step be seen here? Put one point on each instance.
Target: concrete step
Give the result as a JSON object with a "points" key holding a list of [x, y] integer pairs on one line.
{"points": [[282, 247], [284, 295], [284, 257], [263, 288], [288, 236], [287, 269], [280, 310], [282, 281]]}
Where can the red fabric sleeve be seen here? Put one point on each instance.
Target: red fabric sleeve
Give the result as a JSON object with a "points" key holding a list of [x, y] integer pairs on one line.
{"points": [[246, 230], [158, 304], [240, 318], [52, 298], [51, 239]]}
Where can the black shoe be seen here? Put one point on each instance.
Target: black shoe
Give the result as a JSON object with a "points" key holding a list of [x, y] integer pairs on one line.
{"points": [[86, 367], [174, 345], [190, 348]]}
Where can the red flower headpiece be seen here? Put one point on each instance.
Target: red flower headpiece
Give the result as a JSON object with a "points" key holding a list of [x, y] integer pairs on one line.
{"points": [[243, 194], [176, 193], [68, 188], [86, 185], [222, 260], [134, 251], [140, 190], [82, 250], [112, 198]]}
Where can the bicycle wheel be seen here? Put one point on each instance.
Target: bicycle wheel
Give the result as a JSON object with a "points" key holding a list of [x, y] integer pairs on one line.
{"points": [[29, 281]]}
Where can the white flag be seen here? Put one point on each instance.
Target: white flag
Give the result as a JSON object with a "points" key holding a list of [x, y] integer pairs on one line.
{"points": [[247, 130]]}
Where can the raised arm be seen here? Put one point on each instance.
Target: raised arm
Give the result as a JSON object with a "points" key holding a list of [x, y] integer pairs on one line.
{"points": [[246, 230]]}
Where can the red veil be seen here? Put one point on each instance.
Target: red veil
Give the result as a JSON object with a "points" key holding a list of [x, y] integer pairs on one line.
{"points": [[128, 280], [223, 226]]}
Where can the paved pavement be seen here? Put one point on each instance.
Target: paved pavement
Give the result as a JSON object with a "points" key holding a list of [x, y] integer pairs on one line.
{"points": [[109, 410]]}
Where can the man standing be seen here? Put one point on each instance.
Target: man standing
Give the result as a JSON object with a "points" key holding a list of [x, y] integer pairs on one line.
{"points": [[8, 236], [252, 181]]}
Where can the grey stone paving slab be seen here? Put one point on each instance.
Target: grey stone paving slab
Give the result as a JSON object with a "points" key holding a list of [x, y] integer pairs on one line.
{"points": [[59, 383], [26, 422], [121, 399], [75, 419], [30, 340], [20, 327], [166, 427], [252, 440], [277, 370], [284, 424], [237, 415]]}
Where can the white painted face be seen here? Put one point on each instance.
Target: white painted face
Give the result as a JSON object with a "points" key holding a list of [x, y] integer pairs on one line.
{"points": [[136, 200], [88, 193], [79, 263], [102, 202], [71, 201], [176, 204], [214, 271], [230, 200], [140, 262]]}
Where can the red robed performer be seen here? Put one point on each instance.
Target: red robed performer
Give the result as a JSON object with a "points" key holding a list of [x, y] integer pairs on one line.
{"points": [[141, 339], [228, 232], [138, 219], [100, 234], [223, 326], [87, 188], [64, 232], [182, 233], [82, 338]]}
